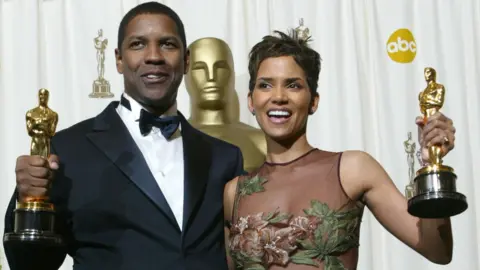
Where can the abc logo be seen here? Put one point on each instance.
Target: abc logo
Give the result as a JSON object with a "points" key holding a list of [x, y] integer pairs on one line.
{"points": [[401, 46]]}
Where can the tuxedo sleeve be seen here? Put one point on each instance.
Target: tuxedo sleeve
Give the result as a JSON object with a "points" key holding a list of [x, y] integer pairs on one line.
{"points": [[239, 164], [35, 257]]}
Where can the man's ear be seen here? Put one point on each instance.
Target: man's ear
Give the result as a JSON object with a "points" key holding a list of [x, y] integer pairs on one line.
{"points": [[186, 61], [118, 61]]}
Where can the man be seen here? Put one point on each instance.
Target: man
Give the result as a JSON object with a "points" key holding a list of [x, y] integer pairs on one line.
{"points": [[129, 194]]}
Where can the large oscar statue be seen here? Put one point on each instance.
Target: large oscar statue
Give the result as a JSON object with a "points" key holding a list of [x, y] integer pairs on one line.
{"points": [[100, 87], [435, 191], [35, 218], [210, 82]]}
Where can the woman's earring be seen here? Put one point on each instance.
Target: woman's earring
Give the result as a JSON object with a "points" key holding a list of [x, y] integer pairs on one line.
{"points": [[253, 112]]}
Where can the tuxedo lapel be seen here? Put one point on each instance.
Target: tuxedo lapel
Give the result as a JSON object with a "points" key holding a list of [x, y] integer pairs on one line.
{"points": [[197, 158], [111, 136]]}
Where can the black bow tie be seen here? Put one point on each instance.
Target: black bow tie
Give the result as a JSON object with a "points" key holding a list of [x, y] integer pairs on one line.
{"points": [[167, 125]]}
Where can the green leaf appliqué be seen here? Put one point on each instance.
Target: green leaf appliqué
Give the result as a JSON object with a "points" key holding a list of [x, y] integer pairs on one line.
{"points": [[252, 185]]}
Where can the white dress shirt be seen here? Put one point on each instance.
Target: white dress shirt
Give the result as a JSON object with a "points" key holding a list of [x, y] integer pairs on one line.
{"points": [[164, 157]]}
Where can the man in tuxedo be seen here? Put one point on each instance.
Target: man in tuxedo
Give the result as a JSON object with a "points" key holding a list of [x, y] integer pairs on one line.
{"points": [[135, 187]]}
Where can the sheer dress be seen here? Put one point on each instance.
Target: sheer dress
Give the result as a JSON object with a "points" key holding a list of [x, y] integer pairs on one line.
{"points": [[295, 215]]}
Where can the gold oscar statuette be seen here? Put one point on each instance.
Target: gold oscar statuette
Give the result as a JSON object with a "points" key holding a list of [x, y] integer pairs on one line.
{"points": [[435, 192], [301, 31], [101, 87], [410, 146], [35, 218]]}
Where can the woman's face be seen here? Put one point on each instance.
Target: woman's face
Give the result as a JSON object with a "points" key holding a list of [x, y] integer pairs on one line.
{"points": [[281, 98]]}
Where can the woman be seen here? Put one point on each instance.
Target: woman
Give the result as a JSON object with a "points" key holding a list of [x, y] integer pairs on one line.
{"points": [[303, 207]]}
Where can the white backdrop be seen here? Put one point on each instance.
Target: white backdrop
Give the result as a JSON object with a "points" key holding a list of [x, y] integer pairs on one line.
{"points": [[368, 100]]}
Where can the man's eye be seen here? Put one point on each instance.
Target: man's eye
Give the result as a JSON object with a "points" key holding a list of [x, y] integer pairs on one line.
{"points": [[136, 45]]}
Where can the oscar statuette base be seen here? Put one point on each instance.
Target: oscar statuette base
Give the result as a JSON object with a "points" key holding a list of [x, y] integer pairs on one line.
{"points": [[34, 224], [101, 89], [435, 194]]}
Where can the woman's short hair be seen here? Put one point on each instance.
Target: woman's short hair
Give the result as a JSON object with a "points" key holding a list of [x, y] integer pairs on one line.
{"points": [[286, 45]]}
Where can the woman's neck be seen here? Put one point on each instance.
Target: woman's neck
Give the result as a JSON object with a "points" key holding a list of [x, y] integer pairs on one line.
{"points": [[283, 152]]}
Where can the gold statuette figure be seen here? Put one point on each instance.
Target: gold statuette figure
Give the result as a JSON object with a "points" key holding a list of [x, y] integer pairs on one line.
{"points": [[214, 105], [431, 101], [41, 125], [435, 189], [302, 32], [410, 146], [34, 219], [101, 87]]}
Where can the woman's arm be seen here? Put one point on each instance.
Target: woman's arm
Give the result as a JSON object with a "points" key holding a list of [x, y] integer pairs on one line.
{"points": [[361, 174], [363, 177]]}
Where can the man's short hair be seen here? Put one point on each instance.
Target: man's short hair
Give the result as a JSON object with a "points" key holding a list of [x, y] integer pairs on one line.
{"points": [[150, 8]]}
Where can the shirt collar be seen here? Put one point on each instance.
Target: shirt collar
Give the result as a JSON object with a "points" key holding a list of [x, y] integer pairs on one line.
{"points": [[132, 107]]}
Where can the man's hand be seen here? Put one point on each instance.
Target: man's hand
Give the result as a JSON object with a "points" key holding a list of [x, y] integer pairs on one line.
{"points": [[438, 130], [34, 175]]}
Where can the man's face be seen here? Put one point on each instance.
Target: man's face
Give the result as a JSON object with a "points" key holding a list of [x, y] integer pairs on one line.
{"points": [[152, 60]]}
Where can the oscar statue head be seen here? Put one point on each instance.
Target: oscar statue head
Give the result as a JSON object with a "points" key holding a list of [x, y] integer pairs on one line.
{"points": [[430, 74], [43, 97], [211, 75]]}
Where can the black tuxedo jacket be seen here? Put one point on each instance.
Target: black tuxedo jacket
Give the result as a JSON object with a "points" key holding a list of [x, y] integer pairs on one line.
{"points": [[112, 213]]}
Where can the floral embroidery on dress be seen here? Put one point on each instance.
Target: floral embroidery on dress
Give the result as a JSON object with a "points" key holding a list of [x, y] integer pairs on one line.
{"points": [[251, 185], [263, 239]]}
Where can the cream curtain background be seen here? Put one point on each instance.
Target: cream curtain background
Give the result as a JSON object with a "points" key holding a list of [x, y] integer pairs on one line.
{"points": [[368, 100]]}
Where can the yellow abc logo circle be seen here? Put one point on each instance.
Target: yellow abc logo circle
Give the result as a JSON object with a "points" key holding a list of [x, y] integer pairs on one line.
{"points": [[401, 46]]}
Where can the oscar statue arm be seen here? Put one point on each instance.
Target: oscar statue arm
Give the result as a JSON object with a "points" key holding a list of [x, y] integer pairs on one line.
{"points": [[437, 98], [28, 119], [420, 102], [32, 128], [53, 125], [440, 96], [28, 257]]}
